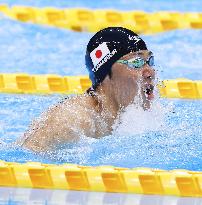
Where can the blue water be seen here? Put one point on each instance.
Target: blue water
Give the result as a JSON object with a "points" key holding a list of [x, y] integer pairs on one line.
{"points": [[172, 140], [146, 5]]}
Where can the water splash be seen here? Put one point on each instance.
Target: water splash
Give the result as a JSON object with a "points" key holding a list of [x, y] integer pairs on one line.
{"points": [[135, 120], [170, 140]]}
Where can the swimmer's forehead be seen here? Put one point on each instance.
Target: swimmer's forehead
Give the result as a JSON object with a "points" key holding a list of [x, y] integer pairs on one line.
{"points": [[142, 53]]}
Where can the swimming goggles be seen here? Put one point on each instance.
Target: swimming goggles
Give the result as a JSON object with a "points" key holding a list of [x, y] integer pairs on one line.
{"points": [[137, 62]]}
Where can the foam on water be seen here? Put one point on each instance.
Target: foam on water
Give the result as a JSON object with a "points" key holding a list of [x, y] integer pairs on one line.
{"points": [[135, 120], [167, 136], [159, 138]]}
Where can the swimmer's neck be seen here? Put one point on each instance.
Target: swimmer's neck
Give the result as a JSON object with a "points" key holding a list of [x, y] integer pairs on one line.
{"points": [[107, 102]]}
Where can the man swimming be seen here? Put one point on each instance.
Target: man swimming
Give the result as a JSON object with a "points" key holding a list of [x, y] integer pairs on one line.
{"points": [[120, 68]]}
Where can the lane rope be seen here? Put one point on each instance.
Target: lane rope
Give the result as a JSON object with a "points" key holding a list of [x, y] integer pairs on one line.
{"points": [[23, 83], [81, 19], [101, 179]]}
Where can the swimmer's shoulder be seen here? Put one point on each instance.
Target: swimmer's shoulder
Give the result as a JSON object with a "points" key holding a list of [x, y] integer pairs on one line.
{"points": [[80, 101]]}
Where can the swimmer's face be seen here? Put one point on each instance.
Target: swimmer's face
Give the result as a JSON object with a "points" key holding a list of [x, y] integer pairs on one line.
{"points": [[134, 81]]}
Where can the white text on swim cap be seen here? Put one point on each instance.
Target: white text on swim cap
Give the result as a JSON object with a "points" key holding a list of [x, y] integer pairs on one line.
{"points": [[134, 38], [104, 60]]}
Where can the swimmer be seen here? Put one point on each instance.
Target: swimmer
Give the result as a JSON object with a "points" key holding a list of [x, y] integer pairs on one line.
{"points": [[120, 68]]}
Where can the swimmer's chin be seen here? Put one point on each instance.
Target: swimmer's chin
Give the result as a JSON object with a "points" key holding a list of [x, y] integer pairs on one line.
{"points": [[147, 99], [146, 106], [147, 102]]}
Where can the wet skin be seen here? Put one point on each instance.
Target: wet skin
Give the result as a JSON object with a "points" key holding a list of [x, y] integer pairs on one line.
{"points": [[131, 81], [92, 116]]}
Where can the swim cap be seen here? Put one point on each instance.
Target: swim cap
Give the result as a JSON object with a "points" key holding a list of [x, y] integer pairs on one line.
{"points": [[106, 47]]}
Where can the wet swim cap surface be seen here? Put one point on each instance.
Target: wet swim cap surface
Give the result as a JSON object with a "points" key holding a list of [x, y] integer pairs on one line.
{"points": [[106, 47]]}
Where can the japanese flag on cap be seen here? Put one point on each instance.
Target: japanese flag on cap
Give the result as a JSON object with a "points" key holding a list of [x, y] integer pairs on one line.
{"points": [[99, 53]]}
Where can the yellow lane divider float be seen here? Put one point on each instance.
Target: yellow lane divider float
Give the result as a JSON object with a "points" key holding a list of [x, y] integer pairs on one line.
{"points": [[43, 84], [50, 84], [80, 19], [181, 88], [101, 179]]}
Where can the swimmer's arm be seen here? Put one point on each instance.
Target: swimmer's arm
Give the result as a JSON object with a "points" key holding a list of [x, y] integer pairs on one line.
{"points": [[52, 130]]}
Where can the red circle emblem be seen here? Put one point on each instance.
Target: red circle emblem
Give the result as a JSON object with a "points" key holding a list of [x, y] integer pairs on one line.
{"points": [[98, 53]]}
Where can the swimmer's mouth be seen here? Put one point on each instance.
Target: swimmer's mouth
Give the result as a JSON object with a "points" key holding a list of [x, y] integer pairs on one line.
{"points": [[148, 90]]}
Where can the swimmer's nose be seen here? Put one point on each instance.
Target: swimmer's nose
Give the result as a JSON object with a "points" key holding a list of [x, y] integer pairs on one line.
{"points": [[148, 73]]}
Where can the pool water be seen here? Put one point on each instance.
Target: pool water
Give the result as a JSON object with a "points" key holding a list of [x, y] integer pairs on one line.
{"points": [[168, 136], [171, 5]]}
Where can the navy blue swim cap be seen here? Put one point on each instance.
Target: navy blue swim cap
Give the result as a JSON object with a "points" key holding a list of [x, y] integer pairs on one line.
{"points": [[106, 47]]}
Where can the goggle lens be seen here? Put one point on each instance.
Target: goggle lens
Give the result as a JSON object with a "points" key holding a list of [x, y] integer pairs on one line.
{"points": [[151, 61], [138, 62]]}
